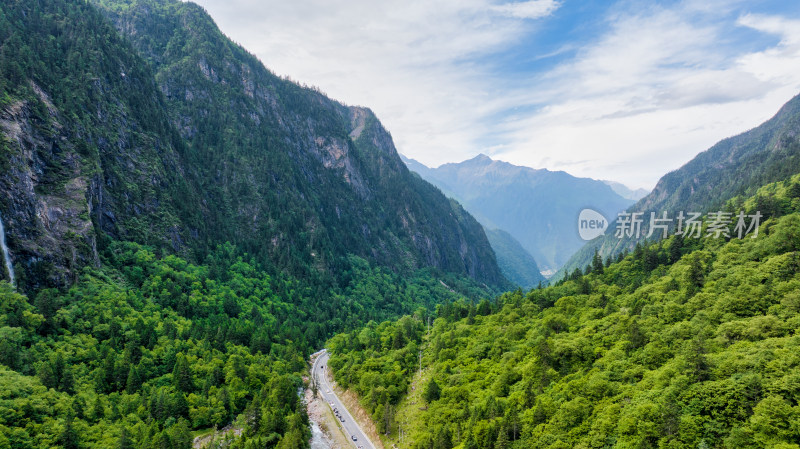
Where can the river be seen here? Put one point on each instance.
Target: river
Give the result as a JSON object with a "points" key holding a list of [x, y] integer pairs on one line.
{"points": [[318, 440]]}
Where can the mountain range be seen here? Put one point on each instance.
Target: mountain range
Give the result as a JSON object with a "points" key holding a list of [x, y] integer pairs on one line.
{"points": [[181, 229], [626, 192], [673, 345], [537, 207]]}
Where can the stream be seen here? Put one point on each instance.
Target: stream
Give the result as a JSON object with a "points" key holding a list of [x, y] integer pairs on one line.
{"points": [[318, 440]]}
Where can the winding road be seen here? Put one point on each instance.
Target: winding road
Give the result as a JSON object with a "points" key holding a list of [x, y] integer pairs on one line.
{"points": [[349, 425]]}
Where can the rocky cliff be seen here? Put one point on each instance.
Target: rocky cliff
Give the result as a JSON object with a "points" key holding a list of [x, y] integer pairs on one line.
{"points": [[145, 123]]}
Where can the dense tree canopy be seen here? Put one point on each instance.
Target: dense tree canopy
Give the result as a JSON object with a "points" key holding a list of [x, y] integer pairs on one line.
{"points": [[681, 343], [145, 350]]}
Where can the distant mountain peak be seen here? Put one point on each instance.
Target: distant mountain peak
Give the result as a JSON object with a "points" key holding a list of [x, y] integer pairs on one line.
{"points": [[481, 158], [536, 207]]}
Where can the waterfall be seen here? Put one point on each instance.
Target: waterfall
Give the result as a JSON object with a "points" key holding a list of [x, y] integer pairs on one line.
{"points": [[6, 254]]}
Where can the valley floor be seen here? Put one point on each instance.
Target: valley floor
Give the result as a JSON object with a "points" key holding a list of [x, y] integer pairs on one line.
{"points": [[320, 413]]}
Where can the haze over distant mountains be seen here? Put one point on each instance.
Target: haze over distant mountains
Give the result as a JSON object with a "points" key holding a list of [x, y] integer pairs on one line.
{"points": [[736, 166], [626, 192], [537, 207]]}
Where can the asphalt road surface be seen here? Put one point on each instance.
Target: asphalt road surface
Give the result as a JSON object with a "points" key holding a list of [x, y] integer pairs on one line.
{"points": [[351, 428]]}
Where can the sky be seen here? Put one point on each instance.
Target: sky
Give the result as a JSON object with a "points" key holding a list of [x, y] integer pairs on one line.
{"points": [[621, 90]]}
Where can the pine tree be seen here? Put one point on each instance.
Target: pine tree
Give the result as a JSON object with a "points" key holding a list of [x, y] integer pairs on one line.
{"points": [[696, 275], [696, 359], [432, 392], [399, 340], [134, 381], [502, 439], [675, 247], [125, 441], [98, 409], [46, 375], [69, 437], [444, 440], [67, 382], [182, 374]]}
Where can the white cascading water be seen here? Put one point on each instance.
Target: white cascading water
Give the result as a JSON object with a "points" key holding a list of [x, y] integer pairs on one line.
{"points": [[6, 254]]}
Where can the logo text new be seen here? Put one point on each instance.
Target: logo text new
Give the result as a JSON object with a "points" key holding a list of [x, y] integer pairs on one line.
{"points": [[593, 224]]}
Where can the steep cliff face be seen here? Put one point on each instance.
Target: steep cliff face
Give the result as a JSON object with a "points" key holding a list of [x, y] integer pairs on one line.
{"points": [[146, 123], [86, 155], [290, 166], [45, 207]]}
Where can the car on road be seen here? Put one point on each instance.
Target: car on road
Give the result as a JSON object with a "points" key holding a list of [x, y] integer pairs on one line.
{"points": [[354, 438]]}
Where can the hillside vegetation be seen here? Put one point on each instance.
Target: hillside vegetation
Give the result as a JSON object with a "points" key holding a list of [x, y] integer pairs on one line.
{"points": [[736, 166], [186, 228], [147, 349], [515, 263], [680, 344]]}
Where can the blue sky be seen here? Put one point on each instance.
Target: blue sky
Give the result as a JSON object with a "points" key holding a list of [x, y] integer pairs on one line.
{"points": [[620, 90]]}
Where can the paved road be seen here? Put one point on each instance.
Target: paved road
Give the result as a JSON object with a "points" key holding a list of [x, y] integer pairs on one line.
{"points": [[324, 389]]}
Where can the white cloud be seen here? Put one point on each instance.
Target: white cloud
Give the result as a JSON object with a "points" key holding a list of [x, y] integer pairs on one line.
{"points": [[651, 94], [408, 60], [641, 99], [531, 9]]}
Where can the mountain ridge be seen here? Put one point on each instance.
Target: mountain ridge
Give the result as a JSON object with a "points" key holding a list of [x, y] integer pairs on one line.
{"points": [[626, 192], [538, 207], [664, 347], [286, 174], [515, 262], [735, 166]]}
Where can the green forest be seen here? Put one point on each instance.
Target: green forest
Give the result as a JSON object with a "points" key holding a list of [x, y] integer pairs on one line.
{"points": [[106, 343], [148, 349], [683, 343], [187, 228]]}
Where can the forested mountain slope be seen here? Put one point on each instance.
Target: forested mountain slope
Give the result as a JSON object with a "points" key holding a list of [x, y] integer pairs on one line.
{"points": [[146, 350], [88, 153], [286, 166], [133, 323], [516, 264], [683, 343], [738, 165], [198, 145]]}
